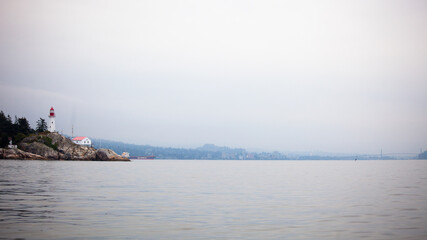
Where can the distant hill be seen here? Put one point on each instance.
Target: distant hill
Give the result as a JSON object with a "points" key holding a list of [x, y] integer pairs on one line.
{"points": [[214, 148], [213, 152], [207, 151], [423, 155]]}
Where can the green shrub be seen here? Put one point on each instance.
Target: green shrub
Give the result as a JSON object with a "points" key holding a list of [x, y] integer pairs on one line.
{"points": [[48, 142], [19, 137]]}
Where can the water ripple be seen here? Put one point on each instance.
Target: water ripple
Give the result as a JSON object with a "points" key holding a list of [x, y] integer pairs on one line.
{"points": [[213, 200]]}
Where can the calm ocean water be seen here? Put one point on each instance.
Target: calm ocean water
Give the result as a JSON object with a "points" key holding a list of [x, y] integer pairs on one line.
{"points": [[175, 199]]}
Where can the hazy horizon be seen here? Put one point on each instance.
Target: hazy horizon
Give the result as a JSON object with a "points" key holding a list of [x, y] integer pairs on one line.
{"points": [[331, 76]]}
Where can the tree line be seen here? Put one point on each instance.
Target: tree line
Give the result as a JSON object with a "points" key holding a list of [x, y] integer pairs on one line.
{"points": [[18, 129], [208, 151]]}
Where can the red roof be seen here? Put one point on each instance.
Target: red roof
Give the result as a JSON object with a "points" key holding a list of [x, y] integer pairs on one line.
{"points": [[78, 138], [51, 108]]}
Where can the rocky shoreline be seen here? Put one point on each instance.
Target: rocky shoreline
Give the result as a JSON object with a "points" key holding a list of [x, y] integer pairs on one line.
{"points": [[54, 146]]}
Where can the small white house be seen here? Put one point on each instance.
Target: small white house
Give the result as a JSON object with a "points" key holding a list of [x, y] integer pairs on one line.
{"points": [[11, 145], [82, 141]]}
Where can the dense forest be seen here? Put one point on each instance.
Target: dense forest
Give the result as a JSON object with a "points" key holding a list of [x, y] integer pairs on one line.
{"points": [[18, 129]]}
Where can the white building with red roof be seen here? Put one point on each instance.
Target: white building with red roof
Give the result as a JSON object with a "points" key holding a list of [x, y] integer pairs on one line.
{"points": [[82, 141]]}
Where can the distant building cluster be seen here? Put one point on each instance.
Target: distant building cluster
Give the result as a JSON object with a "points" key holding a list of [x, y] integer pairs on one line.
{"points": [[246, 156], [210, 151]]}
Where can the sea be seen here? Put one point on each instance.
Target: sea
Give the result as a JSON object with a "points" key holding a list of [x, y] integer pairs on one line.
{"points": [[207, 199]]}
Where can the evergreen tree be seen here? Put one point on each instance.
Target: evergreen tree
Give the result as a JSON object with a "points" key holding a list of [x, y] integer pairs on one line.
{"points": [[17, 130], [3, 122], [41, 125], [5, 129], [24, 126]]}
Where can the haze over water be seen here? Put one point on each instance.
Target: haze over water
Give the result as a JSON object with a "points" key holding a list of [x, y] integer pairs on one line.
{"points": [[177, 199], [291, 76], [274, 75]]}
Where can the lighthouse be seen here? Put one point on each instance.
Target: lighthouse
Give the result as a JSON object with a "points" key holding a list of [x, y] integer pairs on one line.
{"points": [[51, 126]]}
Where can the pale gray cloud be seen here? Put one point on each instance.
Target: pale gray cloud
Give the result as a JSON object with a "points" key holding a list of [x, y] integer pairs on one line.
{"points": [[346, 76]]}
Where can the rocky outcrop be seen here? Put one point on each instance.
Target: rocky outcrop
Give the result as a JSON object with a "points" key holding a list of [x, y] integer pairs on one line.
{"points": [[40, 149], [14, 153], [57, 147], [71, 151], [108, 155]]}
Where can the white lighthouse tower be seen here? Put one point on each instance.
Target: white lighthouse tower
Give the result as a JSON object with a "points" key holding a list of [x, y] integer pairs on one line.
{"points": [[51, 126]]}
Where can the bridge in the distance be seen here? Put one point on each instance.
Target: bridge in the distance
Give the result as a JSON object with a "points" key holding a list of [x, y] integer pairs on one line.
{"points": [[397, 154]]}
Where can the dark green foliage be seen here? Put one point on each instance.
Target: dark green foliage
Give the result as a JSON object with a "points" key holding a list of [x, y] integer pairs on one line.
{"points": [[48, 142], [3, 139], [41, 125], [23, 126], [5, 129], [16, 130], [19, 137]]}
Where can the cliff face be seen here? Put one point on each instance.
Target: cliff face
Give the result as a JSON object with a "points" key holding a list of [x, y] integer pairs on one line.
{"points": [[57, 147]]}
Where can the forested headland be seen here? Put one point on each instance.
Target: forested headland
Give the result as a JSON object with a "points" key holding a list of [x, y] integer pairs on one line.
{"points": [[17, 129]]}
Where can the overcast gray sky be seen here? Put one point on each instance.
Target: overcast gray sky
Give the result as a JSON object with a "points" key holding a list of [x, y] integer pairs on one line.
{"points": [[337, 76]]}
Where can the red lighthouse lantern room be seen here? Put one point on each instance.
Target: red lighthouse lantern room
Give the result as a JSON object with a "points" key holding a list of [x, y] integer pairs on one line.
{"points": [[52, 112]]}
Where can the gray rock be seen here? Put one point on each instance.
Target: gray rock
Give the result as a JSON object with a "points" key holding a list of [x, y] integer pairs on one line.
{"points": [[56, 146], [103, 154], [40, 149], [14, 153]]}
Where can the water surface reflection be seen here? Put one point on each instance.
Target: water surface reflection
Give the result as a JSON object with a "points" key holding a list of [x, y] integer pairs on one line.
{"points": [[213, 200]]}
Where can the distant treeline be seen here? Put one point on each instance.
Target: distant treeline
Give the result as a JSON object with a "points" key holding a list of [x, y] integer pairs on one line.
{"points": [[208, 151], [212, 152], [18, 129]]}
